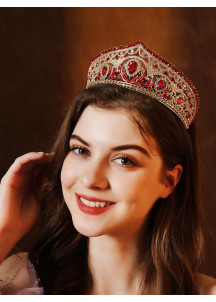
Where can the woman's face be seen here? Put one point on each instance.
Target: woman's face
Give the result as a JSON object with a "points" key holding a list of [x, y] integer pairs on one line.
{"points": [[109, 160]]}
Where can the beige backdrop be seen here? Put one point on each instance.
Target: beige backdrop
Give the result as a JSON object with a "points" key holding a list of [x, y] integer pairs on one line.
{"points": [[45, 54]]}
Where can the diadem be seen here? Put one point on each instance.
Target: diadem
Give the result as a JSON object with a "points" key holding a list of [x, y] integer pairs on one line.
{"points": [[137, 67]]}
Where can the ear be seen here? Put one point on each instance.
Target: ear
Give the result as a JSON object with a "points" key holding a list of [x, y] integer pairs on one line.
{"points": [[172, 179]]}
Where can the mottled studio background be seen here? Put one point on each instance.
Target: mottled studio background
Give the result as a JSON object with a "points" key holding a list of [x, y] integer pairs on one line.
{"points": [[44, 56]]}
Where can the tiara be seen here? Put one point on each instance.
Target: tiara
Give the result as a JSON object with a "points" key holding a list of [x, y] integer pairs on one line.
{"points": [[138, 68]]}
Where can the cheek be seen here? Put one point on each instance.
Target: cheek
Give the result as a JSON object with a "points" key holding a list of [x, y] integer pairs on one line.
{"points": [[68, 174], [143, 188]]}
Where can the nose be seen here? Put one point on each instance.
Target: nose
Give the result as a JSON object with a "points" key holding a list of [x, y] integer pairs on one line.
{"points": [[94, 177]]}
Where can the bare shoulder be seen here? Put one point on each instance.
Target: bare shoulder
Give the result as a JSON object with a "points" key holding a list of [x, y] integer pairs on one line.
{"points": [[207, 284]]}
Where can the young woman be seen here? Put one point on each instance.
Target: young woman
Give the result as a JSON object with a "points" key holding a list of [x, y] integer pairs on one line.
{"points": [[118, 194]]}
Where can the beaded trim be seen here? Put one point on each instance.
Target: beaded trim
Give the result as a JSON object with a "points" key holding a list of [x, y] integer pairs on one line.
{"points": [[8, 283], [138, 68]]}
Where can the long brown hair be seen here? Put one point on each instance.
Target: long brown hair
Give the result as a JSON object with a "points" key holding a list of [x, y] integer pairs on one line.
{"points": [[171, 250]]}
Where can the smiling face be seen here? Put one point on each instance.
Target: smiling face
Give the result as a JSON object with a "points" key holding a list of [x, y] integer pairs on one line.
{"points": [[110, 160]]}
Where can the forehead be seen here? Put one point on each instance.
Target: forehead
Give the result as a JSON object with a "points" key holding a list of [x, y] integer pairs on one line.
{"points": [[114, 127]]}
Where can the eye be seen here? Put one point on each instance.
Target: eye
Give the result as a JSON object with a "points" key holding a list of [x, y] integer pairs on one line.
{"points": [[125, 161], [78, 150]]}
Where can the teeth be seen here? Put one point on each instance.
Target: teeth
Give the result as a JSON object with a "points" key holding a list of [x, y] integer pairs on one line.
{"points": [[94, 204]]}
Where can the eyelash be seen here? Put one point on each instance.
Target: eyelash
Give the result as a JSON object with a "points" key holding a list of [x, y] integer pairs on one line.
{"points": [[132, 163], [73, 148], [78, 147]]}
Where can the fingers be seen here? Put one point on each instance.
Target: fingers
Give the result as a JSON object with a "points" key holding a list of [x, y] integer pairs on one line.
{"points": [[26, 164], [27, 161]]}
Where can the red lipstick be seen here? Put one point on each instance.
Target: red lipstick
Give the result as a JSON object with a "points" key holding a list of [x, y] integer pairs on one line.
{"points": [[92, 210]]}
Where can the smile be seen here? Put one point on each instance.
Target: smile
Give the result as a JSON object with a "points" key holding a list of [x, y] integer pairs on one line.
{"points": [[93, 206]]}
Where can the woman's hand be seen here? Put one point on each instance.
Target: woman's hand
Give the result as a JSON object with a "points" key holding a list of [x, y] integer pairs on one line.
{"points": [[21, 194]]}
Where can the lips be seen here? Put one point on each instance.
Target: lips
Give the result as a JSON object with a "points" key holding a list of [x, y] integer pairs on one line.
{"points": [[92, 205]]}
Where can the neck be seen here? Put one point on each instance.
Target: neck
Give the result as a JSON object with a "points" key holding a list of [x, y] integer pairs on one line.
{"points": [[113, 264]]}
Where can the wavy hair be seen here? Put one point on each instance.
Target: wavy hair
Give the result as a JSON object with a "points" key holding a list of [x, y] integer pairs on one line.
{"points": [[170, 250]]}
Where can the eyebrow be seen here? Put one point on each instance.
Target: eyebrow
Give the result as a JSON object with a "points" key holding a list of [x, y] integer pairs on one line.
{"points": [[118, 148]]}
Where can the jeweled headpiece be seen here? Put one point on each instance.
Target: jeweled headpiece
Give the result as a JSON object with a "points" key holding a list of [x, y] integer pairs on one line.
{"points": [[136, 67]]}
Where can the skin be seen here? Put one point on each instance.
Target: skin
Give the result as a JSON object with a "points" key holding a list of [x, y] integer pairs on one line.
{"points": [[20, 198], [98, 171], [114, 234]]}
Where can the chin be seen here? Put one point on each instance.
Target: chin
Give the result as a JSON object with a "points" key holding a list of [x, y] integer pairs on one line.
{"points": [[87, 229]]}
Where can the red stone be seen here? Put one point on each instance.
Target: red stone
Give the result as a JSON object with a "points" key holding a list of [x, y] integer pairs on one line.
{"points": [[104, 70], [146, 59], [161, 84], [164, 95], [132, 67], [150, 82], [179, 85], [118, 77], [144, 73], [188, 115], [97, 78], [112, 74], [180, 100], [124, 75]]}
